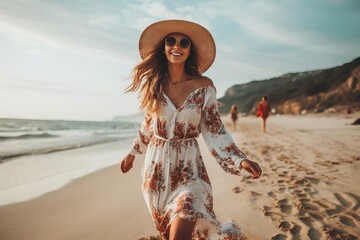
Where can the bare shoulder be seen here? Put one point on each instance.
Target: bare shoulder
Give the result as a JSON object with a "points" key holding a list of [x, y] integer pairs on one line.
{"points": [[201, 81]]}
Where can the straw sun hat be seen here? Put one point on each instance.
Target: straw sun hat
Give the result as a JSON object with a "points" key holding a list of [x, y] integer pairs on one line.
{"points": [[200, 37]]}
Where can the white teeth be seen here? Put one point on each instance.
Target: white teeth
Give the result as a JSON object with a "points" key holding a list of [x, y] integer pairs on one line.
{"points": [[176, 54]]}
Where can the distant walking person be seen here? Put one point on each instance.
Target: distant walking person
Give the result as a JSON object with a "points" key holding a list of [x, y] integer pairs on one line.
{"points": [[234, 115], [263, 111]]}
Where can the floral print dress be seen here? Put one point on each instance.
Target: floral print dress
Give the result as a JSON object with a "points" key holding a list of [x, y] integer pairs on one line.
{"points": [[175, 182]]}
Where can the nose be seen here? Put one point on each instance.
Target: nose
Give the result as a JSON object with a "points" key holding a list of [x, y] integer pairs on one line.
{"points": [[177, 44]]}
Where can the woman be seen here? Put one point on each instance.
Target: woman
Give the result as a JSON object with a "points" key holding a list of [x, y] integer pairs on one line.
{"points": [[179, 103], [234, 115], [263, 111]]}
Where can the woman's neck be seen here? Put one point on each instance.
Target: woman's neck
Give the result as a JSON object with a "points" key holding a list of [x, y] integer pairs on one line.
{"points": [[176, 73]]}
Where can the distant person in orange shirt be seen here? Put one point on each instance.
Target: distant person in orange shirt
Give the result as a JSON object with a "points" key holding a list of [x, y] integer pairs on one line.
{"points": [[234, 115], [263, 111]]}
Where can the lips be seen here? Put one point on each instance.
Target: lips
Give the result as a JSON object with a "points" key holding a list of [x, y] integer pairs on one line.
{"points": [[176, 54]]}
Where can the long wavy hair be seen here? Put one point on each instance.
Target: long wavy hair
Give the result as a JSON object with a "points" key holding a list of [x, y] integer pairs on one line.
{"points": [[150, 73]]}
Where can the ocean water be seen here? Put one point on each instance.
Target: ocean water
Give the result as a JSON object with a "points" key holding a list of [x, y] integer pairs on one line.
{"points": [[28, 170], [21, 137]]}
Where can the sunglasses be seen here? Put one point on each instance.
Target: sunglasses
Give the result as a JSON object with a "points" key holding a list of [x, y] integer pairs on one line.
{"points": [[184, 43]]}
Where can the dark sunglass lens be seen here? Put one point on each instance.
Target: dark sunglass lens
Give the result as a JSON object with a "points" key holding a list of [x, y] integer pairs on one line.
{"points": [[170, 41], [185, 43]]}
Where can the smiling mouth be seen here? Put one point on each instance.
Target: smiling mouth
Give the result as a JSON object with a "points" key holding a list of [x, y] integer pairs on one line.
{"points": [[176, 54]]}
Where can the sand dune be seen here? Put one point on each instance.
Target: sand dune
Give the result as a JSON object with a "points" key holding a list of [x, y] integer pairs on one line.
{"points": [[309, 189]]}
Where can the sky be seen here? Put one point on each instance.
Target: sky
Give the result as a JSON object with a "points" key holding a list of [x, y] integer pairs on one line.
{"points": [[72, 59]]}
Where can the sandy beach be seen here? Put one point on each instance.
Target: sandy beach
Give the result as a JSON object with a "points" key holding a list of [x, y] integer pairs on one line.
{"points": [[309, 188]]}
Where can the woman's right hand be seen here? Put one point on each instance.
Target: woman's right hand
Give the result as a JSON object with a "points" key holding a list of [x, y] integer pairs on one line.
{"points": [[127, 163]]}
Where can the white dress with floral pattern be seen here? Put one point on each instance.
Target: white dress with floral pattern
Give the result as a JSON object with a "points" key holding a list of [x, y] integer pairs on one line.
{"points": [[175, 182]]}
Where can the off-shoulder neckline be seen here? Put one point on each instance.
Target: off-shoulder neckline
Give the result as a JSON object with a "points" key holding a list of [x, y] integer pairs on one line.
{"points": [[187, 98]]}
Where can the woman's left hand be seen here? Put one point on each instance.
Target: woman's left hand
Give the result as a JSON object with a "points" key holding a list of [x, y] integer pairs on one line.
{"points": [[251, 167]]}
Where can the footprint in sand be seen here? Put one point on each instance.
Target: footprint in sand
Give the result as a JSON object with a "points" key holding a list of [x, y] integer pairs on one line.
{"points": [[306, 220], [310, 206], [328, 206], [279, 237], [313, 180], [284, 226], [295, 230], [334, 233], [304, 205], [271, 194], [266, 210], [291, 187], [301, 195], [314, 215], [300, 169], [293, 177], [302, 181], [283, 206], [310, 190], [283, 158], [255, 194], [274, 169], [355, 216], [291, 227], [314, 234], [349, 221], [349, 162], [237, 190], [348, 200]]}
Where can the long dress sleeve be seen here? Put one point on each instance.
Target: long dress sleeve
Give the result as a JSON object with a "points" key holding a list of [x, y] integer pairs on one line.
{"points": [[143, 137], [217, 138]]}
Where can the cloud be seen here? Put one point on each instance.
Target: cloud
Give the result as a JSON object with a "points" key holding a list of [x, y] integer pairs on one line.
{"points": [[304, 25], [110, 29], [66, 28], [39, 53]]}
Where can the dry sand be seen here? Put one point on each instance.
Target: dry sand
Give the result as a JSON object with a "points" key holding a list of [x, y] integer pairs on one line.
{"points": [[309, 189]]}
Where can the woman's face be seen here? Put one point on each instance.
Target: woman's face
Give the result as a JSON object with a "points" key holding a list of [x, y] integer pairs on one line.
{"points": [[177, 48]]}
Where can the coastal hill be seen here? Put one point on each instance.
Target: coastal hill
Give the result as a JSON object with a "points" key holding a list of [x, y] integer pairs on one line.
{"points": [[334, 89]]}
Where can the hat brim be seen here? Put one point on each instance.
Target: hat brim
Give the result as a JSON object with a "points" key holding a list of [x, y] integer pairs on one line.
{"points": [[200, 37]]}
